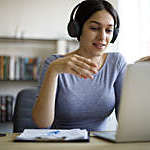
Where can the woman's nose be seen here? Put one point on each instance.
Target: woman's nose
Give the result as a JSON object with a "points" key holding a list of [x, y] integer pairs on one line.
{"points": [[101, 35]]}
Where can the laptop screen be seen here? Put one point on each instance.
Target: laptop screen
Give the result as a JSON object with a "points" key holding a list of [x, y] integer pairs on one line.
{"points": [[134, 111]]}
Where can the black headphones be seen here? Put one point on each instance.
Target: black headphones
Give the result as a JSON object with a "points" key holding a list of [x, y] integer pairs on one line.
{"points": [[74, 28], [116, 31]]}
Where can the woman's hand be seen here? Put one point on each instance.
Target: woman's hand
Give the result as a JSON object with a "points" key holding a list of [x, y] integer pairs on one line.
{"points": [[147, 58], [74, 64]]}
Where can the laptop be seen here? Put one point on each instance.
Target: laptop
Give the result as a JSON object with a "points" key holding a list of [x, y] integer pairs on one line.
{"points": [[134, 110]]}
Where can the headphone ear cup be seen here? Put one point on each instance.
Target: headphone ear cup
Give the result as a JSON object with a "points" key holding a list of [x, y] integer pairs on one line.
{"points": [[73, 29], [115, 34]]}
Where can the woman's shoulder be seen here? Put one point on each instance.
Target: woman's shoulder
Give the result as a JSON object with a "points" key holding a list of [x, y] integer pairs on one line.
{"points": [[116, 55], [53, 57], [116, 58]]}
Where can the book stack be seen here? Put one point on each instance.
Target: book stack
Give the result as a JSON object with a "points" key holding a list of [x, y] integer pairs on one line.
{"points": [[19, 68], [6, 108]]}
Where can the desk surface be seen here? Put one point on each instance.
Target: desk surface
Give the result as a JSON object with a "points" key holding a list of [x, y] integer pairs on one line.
{"points": [[7, 143]]}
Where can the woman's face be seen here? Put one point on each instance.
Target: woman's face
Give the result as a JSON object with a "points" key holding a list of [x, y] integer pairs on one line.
{"points": [[97, 33]]}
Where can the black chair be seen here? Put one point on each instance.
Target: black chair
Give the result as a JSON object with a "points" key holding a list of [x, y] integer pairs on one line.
{"points": [[22, 118]]}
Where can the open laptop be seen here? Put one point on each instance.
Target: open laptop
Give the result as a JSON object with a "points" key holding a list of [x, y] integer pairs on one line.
{"points": [[134, 110]]}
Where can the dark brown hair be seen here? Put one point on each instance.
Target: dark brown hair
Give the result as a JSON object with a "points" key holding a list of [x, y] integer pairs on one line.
{"points": [[88, 7]]}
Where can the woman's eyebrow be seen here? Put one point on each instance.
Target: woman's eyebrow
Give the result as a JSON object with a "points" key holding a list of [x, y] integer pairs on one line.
{"points": [[92, 21], [98, 23]]}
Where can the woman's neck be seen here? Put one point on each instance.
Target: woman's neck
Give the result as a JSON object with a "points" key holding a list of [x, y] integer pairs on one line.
{"points": [[98, 59]]}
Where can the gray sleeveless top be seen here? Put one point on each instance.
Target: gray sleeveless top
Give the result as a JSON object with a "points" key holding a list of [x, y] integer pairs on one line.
{"points": [[88, 103]]}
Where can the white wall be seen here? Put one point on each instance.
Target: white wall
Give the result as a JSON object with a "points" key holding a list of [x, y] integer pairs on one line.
{"points": [[114, 3], [36, 18], [134, 30]]}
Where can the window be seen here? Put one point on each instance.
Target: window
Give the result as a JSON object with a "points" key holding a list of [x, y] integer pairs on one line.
{"points": [[134, 36]]}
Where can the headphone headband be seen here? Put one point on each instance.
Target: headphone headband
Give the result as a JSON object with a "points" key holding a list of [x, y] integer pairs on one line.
{"points": [[73, 27], [73, 11]]}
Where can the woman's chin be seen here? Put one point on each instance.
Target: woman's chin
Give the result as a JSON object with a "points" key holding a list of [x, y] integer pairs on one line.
{"points": [[99, 52]]}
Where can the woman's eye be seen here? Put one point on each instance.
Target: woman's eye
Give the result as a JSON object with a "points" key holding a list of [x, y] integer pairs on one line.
{"points": [[109, 30], [93, 28]]}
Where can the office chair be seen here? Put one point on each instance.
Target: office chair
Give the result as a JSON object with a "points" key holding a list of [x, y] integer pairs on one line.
{"points": [[22, 118]]}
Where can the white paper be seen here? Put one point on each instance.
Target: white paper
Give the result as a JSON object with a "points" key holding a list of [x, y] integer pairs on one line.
{"points": [[50, 134]]}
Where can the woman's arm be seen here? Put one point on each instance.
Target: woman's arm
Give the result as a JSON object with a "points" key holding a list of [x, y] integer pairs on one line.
{"points": [[146, 58], [43, 110]]}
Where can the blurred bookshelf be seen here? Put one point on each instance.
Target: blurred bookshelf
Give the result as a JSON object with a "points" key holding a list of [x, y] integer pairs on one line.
{"points": [[20, 62], [6, 113], [20, 65], [15, 69], [19, 68]]}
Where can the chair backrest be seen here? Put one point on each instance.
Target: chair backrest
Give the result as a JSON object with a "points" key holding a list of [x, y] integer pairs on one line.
{"points": [[22, 118]]}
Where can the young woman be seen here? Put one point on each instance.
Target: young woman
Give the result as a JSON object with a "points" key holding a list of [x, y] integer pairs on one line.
{"points": [[82, 88]]}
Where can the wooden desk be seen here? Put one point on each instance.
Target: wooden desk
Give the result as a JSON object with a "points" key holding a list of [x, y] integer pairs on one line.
{"points": [[7, 143]]}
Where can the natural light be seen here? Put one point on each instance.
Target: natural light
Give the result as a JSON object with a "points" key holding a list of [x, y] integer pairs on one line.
{"points": [[134, 36]]}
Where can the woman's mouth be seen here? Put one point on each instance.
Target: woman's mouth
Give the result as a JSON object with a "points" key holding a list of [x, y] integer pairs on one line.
{"points": [[99, 45]]}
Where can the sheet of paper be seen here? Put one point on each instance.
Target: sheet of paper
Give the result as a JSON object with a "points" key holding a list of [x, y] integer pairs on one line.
{"points": [[50, 134]]}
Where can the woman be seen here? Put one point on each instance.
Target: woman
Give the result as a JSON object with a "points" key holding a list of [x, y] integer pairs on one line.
{"points": [[82, 88]]}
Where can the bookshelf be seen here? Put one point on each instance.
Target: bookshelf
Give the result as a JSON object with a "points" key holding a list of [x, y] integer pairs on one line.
{"points": [[32, 48], [29, 48]]}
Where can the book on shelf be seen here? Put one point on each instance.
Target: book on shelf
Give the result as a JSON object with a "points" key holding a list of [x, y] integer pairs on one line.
{"points": [[3, 109], [19, 68], [6, 67], [12, 68], [29, 68], [9, 107], [6, 108], [1, 67]]}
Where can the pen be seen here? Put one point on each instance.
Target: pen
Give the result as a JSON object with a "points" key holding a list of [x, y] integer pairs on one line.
{"points": [[53, 132]]}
